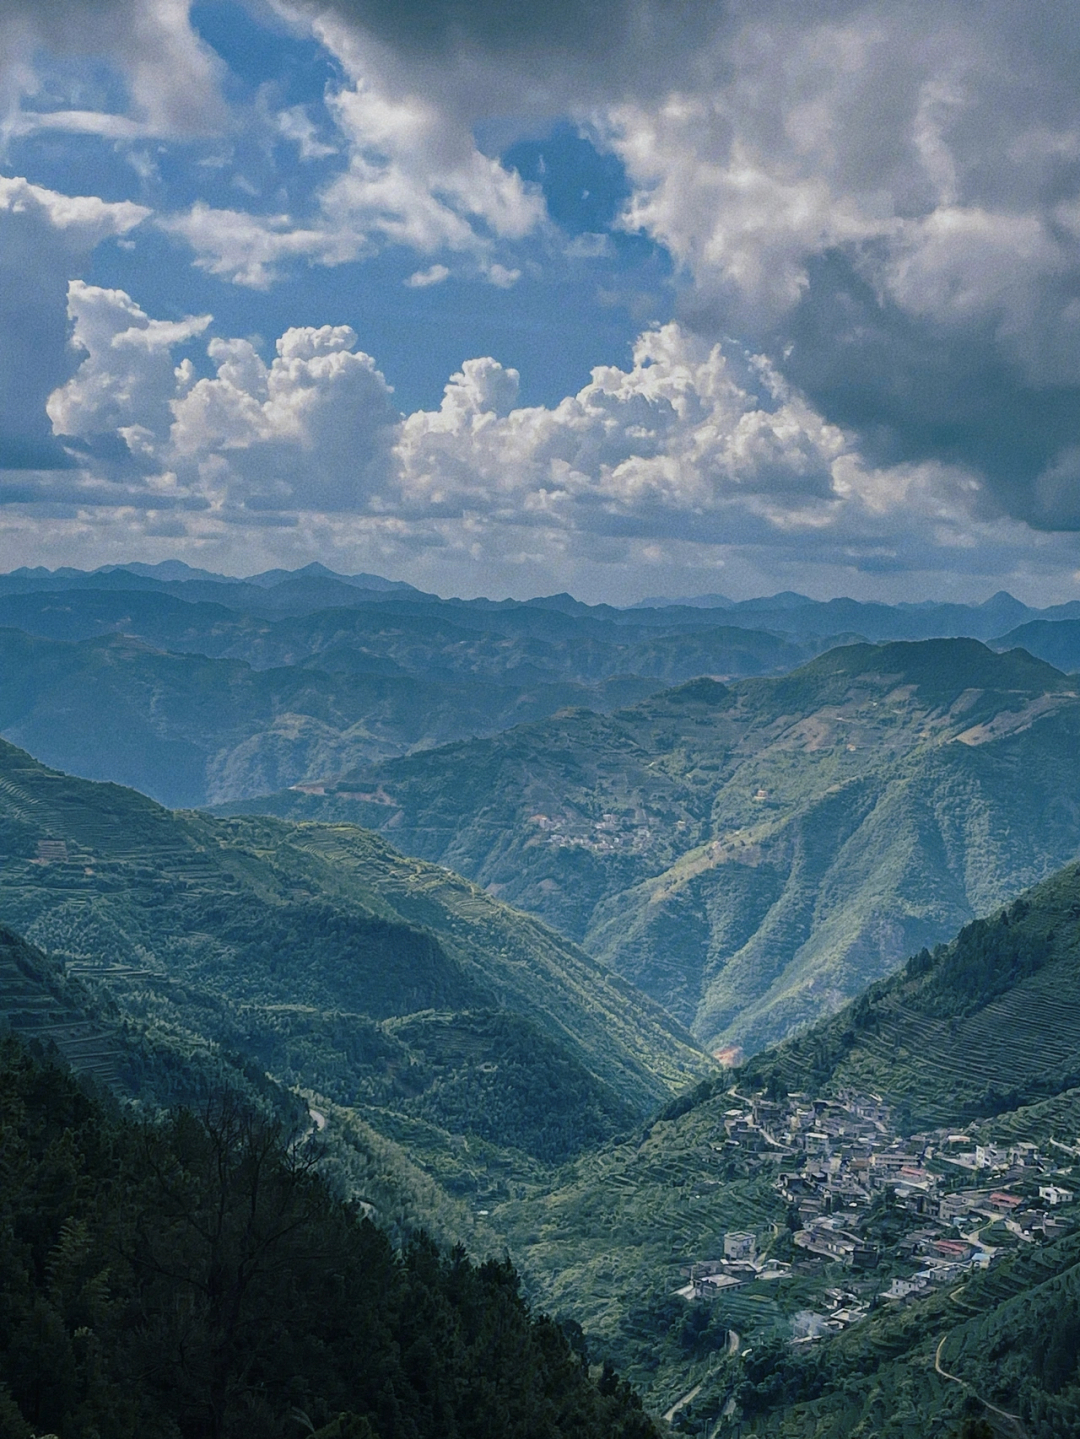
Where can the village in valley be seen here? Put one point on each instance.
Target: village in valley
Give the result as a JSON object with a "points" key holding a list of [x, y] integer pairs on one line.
{"points": [[901, 1214]]}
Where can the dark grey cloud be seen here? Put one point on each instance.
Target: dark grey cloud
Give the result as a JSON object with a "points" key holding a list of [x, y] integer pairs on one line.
{"points": [[498, 26], [68, 489], [509, 28], [544, 55], [34, 327], [916, 388], [885, 197]]}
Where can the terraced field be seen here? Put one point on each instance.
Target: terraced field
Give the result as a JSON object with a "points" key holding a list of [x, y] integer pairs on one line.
{"points": [[988, 1024], [299, 950], [947, 1069], [38, 1004]]}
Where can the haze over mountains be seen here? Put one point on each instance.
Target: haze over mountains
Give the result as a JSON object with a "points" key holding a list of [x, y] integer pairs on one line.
{"points": [[752, 854], [217, 690], [748, 850], [732, 856], [199, 688]]}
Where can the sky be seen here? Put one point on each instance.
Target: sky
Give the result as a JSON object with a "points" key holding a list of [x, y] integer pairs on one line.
{"points": [[641, 297]]}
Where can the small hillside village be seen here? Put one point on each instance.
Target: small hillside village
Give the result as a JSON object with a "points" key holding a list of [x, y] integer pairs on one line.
{"points": [[901, 1214]]}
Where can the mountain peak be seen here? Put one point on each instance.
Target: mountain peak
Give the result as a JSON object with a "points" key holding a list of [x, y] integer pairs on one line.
{"points": [[941, 666]]}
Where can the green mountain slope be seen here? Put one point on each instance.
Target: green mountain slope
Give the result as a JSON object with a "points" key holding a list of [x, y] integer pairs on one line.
{"points": [[58, 1009], [986, 1024], [190, 730], [753, 854], [307, 946], [155, 1057], [985, 1033]]}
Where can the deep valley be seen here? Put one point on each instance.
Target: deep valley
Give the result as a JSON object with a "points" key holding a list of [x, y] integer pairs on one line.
{"points": [[741, 1012]]}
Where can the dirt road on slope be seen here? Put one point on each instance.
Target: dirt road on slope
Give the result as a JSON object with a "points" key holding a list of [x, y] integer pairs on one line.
{"points": [[1013, 1419]]}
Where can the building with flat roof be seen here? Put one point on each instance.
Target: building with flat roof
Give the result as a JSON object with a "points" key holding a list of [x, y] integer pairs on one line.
{"points": [[739, 1244]]}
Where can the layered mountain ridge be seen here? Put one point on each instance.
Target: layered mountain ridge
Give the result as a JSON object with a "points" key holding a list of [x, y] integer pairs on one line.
{"points": [[334, 963], [219, 688], [752, 854]]}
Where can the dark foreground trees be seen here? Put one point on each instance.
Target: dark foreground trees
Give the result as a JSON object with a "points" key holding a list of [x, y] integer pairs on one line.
{"points": [[197, 1278]]}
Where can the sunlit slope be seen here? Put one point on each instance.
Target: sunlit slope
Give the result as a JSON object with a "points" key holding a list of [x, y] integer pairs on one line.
{"points": [[754, 854], [984, 1032], [258, 915], [986, 1024]]}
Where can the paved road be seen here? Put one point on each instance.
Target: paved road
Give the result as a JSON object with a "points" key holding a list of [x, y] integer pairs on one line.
{"points": [[682, 1403]]}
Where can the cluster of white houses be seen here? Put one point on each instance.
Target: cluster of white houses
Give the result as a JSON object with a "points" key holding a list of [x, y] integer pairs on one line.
{"points": [[953, 1200]]}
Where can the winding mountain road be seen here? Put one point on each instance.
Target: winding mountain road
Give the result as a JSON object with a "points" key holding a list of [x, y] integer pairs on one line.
{"points": [[1014, 1419], [731, 1347]]}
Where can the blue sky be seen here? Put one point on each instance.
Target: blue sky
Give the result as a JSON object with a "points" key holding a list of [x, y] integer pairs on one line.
{"points": [[566, 313], [623, 300]]}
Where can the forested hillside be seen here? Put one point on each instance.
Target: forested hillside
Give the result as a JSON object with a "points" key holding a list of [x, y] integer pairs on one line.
{"points": [[753, 854], [194, 1276], [384, 985]]}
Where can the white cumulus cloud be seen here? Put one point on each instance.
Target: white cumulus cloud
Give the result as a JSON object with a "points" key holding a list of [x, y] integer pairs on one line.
{"points": [[696, 456], [44, 237], [312, 430], [675, 439], [127, 378]]}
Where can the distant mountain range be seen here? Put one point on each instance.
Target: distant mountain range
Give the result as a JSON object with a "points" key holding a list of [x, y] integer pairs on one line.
{"points": [[301, 591], [199, 688], [727, 843], [189, 730], [754, 854]]}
